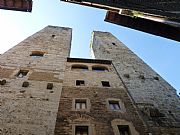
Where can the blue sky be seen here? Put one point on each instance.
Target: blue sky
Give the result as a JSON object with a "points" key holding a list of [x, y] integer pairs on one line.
{"points": [[161, 54]]}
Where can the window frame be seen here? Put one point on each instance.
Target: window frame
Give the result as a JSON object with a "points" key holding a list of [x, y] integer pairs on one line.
{"points": [[114, 105], [86, 100], [80, 83], [82, 126], [23, 72], [118, 122], [123, 129], [37, 54], [97, 68], [105, 85], [79, 67], [91, 127], [82, 104], [121, 109]]}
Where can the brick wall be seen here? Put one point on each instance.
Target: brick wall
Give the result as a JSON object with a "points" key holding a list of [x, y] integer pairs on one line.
{"points": [[99, 117]]}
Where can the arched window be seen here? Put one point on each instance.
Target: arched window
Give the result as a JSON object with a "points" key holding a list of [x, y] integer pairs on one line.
{"points": [[37, 54], [99, 68], [79, 67]]}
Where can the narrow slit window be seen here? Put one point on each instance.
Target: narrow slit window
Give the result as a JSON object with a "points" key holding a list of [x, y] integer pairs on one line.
{"points": [[99, 69], [37, 54], [124, 130], [81, 130], [80, 83], [22, 73], [79, 68], [105, 84], [114, 105], [80, 104]]}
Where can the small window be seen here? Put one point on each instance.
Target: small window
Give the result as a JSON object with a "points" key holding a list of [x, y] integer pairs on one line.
{"points": [[105, 84], [37, 54], [80, 83], [80, 104], [113, 43], [22, 73], [124, 130], [79, 67], [114, 105], [81, 130], [99, 69]]}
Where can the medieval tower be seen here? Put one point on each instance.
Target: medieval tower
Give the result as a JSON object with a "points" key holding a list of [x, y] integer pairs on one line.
{"points": [[45, 92]]}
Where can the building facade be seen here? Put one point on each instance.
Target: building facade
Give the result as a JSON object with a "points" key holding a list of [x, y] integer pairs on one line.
{"points": [[17, 5], [159, 17], [45, 92]]}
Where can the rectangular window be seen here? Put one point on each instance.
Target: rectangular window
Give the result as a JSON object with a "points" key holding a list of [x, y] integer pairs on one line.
{"points": [[22, 73], [37, 54], [80, 83], [105, 84], [81, 130], [124, 130], [114, 105], [80, 104]]}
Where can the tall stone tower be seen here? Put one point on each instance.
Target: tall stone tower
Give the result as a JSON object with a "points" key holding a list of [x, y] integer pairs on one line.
{"points": [[31, 76], [44, 92], [157, 101]]}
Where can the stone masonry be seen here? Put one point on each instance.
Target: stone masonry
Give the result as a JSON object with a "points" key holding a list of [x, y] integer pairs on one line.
{"points": [[27, 107], [157, 101], [44, 92], [98, 117]]}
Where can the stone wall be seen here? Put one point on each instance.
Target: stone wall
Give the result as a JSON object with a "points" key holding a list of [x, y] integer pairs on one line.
{"points": [[27, 106], [100, 119], [157, 101]]}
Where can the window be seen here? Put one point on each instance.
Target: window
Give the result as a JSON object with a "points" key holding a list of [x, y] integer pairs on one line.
{"points": [[105, 84], [37, 54], [99, 69], [81, 130], [22, 73], [79, 67], [124, 130], [114, 105], [80, 83], [80, 104]]}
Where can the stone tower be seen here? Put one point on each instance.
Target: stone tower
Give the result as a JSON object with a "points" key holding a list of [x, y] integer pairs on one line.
{"points": [[157, 101], [44, 92], [31, 76]]}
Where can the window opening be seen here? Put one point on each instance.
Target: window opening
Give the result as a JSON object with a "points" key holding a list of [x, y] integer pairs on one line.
{"points": [[99, 69], [124, 130], [114, 105], [22, 73], [79, 67], [80, 83], [37, 54], [81, 130], [105, 84], [80, 104]]}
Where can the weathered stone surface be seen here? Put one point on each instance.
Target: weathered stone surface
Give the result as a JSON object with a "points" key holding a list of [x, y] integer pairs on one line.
{"points": [[32, 110], [146, 87], [99, 116], [147, 104]]}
